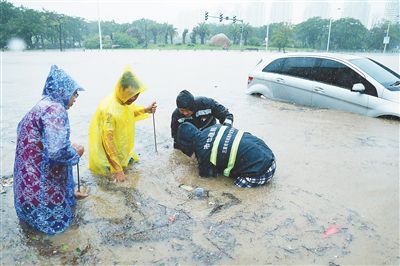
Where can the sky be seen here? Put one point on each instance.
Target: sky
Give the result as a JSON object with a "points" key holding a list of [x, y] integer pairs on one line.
{"points": [[183, 14]]}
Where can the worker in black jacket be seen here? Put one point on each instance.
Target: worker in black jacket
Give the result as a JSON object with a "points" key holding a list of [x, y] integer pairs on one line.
{"points": [[200, 111], [226, 150]]}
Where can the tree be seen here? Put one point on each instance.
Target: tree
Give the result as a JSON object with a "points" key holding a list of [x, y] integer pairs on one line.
{"points": [[193, 35], [155, 30], [283, 36], [8, 13], [378, 32], [124, 40], [234, 33], [312, 33], [202, 30], [247, 30], [184, 33], [172, 32], [348, 34]]}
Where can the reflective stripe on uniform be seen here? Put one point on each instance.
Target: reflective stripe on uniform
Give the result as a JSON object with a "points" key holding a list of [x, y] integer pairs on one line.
{"points": [[203, 112], [214, 151], [233, 153]]}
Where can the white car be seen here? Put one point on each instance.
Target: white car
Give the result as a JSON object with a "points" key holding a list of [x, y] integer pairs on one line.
{"points": [[345, 82]]}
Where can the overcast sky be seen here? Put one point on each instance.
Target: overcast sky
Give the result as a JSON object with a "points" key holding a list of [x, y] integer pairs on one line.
{"points": [[182, 14]]}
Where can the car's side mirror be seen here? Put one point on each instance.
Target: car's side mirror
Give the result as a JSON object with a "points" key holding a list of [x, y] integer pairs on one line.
{"points": [[358, 87]]}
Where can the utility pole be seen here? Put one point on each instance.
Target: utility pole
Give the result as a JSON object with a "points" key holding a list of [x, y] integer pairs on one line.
{"points": [[267, 39], [386, 39], [98, 23], [329, 34]]}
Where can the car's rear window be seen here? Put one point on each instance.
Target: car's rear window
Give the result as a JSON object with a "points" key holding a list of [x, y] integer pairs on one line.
{"points": [[275, 66]]}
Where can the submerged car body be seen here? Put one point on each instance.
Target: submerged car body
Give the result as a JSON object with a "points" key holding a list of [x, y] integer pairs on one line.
{"points": [[345, 82]]}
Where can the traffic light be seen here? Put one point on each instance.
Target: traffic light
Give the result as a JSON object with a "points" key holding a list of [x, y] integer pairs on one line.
{"points": [[206, 15], [234, 19], [221, 17]]}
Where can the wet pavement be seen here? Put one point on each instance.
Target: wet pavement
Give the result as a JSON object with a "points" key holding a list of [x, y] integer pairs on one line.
{"points": [[334, 199]]}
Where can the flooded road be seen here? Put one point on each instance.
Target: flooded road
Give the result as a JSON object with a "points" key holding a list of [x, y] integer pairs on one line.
{"points": [[334, 198]]}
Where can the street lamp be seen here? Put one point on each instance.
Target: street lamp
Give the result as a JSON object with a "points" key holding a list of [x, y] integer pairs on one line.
{"points": [[98, 24], [386, 39], [266, 39], [329, 33]]}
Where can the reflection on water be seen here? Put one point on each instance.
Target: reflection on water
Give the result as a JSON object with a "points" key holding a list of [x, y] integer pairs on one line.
{"points": [[334, 170]]}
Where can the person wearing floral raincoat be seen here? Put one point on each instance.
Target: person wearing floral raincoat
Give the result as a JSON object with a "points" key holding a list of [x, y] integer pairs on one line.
{"points": [[43, 180], [112, 129]]}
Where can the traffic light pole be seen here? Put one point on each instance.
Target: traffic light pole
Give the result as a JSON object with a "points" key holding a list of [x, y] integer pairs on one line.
{"points": [[221, 18]]}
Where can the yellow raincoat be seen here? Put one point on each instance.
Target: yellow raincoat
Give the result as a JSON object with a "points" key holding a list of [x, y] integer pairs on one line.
{"points": [[112, 130]]}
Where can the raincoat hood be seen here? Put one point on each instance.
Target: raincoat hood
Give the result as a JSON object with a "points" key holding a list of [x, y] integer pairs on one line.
{"points": [[186, 136], [60, 86], [128, 86], [185, 100]]}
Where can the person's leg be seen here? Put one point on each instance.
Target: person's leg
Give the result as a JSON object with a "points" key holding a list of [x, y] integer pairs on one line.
{"points": [[256, 181]]}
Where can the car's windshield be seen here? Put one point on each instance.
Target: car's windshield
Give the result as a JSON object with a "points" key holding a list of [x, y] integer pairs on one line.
{"points": [[380, 73]]}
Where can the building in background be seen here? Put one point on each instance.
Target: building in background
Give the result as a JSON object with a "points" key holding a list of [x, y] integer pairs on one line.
{"points": [[392, 11], [281, 12], [317, 9], [255, 14], [359, 10]]}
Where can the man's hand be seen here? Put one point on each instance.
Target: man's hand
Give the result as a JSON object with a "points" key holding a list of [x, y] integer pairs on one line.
{"points": [[119, 177], [79, 149], [151, 109]]}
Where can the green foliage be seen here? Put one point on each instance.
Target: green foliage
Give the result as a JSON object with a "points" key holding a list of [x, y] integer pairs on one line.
{"points": [[49, 30], [123, 40], [378, 32], [283, 36], [312, 33], [348, 34], [202, 30]]}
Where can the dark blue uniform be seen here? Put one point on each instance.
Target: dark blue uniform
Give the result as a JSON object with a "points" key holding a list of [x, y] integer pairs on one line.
{"points": [[226, 150], [205, 112]]}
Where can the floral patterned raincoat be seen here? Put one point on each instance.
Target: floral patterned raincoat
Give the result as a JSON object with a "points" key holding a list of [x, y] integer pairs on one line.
{"points": [[43, 181]]}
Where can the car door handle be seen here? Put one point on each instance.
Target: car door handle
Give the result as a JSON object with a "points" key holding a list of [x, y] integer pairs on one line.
{"points": [[280, 80], [319, 90]]}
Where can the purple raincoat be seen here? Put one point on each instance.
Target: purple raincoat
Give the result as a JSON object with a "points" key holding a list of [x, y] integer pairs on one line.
{"points": [[43, 181]]}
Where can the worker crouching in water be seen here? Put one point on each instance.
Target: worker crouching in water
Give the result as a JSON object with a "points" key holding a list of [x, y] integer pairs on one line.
{"points": [[200, 111], [226, 150], [112, 130]]}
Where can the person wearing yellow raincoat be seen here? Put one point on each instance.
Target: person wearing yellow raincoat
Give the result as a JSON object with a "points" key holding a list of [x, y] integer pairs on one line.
{"points": [[112, 129]]}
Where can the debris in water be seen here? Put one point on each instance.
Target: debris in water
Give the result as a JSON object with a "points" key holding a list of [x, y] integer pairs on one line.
{"points": [[199, 192], [186, 187], [7, 181], [172, 218], [332, 230]]}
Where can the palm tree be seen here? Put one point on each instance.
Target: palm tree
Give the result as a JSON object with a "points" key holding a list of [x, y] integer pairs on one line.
{"points": [[193, 35], [203, 31], [184, 33], [172, 32], [155, 30]]}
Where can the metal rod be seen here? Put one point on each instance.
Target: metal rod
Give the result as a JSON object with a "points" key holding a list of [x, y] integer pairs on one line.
{"points": [[79, 182], [154, 130]]}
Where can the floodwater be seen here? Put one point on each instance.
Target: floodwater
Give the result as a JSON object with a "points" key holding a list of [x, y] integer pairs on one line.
{"points": [[336, 172]]}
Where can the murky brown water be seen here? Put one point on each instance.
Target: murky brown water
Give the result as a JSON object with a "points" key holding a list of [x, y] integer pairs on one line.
{"points": [[333, 169]]}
